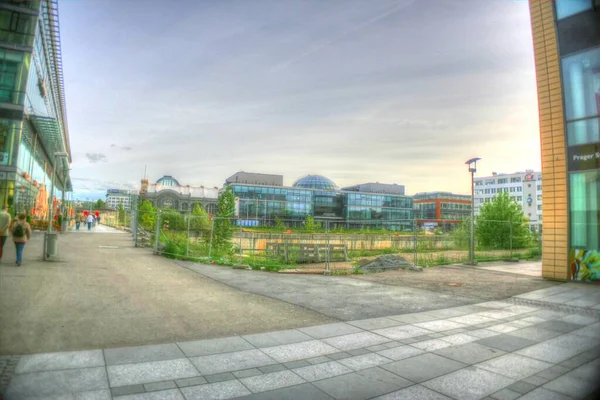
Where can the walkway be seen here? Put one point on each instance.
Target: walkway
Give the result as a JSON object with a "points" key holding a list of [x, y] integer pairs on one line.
{"points": [[493, 350]]}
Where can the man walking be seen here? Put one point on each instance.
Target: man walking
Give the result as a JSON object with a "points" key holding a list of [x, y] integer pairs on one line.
{"points": [[21, 232], [4, 225], [90, 220]]}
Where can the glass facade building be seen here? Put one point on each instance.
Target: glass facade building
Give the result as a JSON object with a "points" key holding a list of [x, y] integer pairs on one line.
{"points": [[33, 121], [566, 37], [258, 204], [442, 209]]}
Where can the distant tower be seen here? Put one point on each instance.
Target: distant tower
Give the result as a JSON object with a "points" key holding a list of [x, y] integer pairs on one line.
{"points": [[144, 187]]}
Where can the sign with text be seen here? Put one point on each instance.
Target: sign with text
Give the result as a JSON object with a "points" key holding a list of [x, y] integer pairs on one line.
{"points": [[583, 157]]}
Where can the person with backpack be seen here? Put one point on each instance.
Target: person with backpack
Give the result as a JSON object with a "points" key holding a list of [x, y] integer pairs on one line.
{"points": [[4, 226], [21, 232]]}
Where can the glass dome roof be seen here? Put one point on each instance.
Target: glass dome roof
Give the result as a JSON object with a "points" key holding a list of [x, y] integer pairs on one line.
{"points": [[315, 182], [167, 180]]}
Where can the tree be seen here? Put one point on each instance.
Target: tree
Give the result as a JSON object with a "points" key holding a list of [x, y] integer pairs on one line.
{"points": [[147, 215], [279, 224], [501, 224], [310, 225], [199, 222], [99, 204], [173, 219], [223, 229], [121, 213]]}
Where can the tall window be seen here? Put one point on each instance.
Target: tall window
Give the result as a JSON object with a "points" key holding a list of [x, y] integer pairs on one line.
{"points": [[585, 210], [581, 79], [566, 8]]}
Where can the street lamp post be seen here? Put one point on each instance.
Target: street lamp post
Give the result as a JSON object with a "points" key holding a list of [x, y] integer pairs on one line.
{"points": [[472, 163]]}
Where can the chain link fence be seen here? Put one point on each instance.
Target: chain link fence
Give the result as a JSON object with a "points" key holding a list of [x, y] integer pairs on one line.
{"points": [[329, 246]]}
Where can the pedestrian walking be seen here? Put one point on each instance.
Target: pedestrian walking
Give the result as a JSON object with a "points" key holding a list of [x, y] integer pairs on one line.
{"points": [[4, 225], [21, 233], [77, 221], [90, 220], [82, 218]]}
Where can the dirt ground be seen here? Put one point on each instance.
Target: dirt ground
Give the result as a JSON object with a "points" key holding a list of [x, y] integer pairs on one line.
{"points": [[461, 281]]}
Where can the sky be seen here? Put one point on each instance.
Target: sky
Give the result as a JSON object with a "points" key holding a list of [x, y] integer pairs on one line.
{"points": [[391, 91]]}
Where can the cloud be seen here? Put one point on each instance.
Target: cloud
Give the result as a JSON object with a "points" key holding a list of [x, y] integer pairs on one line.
{"points": [[96, 157]]}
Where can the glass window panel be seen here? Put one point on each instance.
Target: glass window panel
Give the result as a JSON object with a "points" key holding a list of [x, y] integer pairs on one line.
{"points": [[566, 8]]}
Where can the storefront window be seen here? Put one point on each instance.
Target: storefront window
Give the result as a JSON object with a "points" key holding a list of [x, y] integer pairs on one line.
{"points": [[13, 76], [585, 225], [581, 77]]}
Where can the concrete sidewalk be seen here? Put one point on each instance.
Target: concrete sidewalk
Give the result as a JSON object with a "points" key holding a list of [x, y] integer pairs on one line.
{"points": [[493, 350]]}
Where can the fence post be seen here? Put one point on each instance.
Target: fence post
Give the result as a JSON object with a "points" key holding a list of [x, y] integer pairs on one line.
{"points": [[157, 232], [134, 224], [510, 239], [240, 233], [327, 266], [415, 242], [187, 242], [212, 228]]}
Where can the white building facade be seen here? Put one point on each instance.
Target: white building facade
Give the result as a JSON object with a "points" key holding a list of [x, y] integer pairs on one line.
{"points": [[524, 187], [114, 197]]}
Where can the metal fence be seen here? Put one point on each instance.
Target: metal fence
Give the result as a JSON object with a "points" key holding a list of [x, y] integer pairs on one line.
{"points": [[329, 246]]}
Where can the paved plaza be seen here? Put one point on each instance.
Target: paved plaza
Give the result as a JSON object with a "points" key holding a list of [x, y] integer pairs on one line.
{"points": [[540, 345]]}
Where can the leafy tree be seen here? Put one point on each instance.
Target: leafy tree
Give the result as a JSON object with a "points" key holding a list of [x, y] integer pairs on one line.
{"points": [[279, 224], [501, 224], [461, 235], [121, 213], [99, 204], [147, 215], [173, 218], [223, 229], [199, 222], [310, 225]]}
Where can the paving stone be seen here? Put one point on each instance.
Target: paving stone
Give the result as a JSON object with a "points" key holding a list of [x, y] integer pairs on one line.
{"points": [[247, 373], [139, 354], [514, 366], [391, 345], [505, 394], [361, 385], [576, 361], [275, 380], [318, 360], [447, 313], [521, 309], [172, 394], [571, 386], [437, 335], [190, 382], [459, 338], [496, 314], [322, 371], [470, 353], [355, 340], [277, 338], [330, 330], [548, 314], [423, 367], [439, 325], [495, 304], [413, 318], [225, 376], [553, 372], [558, 326], [150, 387], [299, 351], [408, 341], [219, 390], [557, 351], [521, 324], [413, 392], [588, 372], [483, 333], [377, 348], [469, 383], [402, 332], [57, 361], [272, 368], [534, 333], [533, 319], [228, 362], [156, 371], [589, 331], [339, 356], [535, 380], [423, 338], [503, 328], [471, 319], [303, 391], [93, 395], [214, 346], [400, 353], [130, 389], [522, 387], [296, 364], [364, 361], [544, 394], [358, 352], [579, 319], [375, 323], [57, 382], [507, 343], [455, 331], [431, 345]]}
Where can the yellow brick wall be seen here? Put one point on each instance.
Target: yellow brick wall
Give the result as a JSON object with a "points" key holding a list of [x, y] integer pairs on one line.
{"points": [[552, 137]]}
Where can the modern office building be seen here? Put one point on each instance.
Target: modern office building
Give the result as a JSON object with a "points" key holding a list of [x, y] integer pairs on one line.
{"points": [[253, 178], [33, 114], [524, 187], [376, 187], [441, 209], [319, 197], [566, 39], [116, 197], [167, 192]]}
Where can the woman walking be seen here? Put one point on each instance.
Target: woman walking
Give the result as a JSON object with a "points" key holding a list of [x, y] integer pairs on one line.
{"points": [[21, 233]]}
